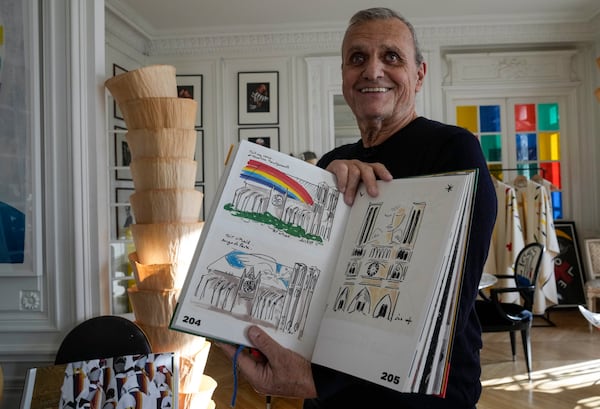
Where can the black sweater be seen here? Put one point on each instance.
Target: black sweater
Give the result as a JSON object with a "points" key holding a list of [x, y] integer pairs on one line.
{"points": [[426, 147]]}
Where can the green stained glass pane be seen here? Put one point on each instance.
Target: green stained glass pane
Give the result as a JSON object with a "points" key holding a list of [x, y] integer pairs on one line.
{"points": [[528, 170], [492, 147], [466, 117], [548, 117]]}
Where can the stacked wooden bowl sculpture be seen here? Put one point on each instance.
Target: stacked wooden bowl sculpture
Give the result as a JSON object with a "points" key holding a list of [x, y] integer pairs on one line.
{"points": [[166, 208]]}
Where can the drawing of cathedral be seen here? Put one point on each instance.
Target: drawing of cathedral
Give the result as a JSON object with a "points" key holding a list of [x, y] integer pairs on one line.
{"points": [[289, 199], [379, 261], [255, 287]]}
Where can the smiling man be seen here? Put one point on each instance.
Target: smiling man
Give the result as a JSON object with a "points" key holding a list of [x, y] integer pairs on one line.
{"points": [[382, 71]]}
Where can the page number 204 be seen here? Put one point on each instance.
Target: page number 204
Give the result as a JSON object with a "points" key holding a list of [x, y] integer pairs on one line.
{"points": [[191, 320], [391, 378]]}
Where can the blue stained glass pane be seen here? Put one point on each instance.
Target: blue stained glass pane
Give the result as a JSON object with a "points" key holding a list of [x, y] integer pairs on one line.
{"points": [[557, 210], [526, 146], [489, 116]]}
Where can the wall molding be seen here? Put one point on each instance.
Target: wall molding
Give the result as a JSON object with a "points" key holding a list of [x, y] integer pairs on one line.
{"points": [[318, 42]]}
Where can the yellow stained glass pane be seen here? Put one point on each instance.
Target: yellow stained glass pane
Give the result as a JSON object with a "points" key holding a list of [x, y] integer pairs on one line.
{"points": [[549, 146], [466, 117], [1, 35]]}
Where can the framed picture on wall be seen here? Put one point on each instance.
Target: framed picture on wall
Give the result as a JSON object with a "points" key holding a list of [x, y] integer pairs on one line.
{"points": [[123, 213], [117, 69], [190, 86], [568, 267], [258, 98], [122, 154], [268, 137], [199, 156], [200, 187]]}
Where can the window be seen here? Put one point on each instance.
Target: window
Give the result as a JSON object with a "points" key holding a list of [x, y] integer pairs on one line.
{"points": [[518, 137]]}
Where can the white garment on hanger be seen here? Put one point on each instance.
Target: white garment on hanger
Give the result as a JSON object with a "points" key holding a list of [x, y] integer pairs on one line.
{"points": [[538, 225], [507, 239]]}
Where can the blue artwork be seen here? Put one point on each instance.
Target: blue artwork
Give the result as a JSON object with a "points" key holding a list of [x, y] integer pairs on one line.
{"points": [[12, 234]]}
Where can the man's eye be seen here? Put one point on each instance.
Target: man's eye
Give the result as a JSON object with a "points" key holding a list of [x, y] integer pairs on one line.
{"points": [[392, 57], [357, 59]]}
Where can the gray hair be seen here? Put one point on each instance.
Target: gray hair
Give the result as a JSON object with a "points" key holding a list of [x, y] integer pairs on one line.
{"points": [[382, 13]]}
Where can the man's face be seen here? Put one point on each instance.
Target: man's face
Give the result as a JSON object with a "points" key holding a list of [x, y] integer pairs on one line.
{"points": [[379, 72]]}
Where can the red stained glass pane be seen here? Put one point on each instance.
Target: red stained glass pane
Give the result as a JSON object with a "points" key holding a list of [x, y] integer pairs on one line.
{"points": [[525, 117], [551, 172]]}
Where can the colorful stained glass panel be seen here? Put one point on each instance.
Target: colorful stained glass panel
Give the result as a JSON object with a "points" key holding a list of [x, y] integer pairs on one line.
{"points": [[526, 146], [492, 147], [466, 117], [549, 119], [525, 117], [549, 145], [489, 118]]}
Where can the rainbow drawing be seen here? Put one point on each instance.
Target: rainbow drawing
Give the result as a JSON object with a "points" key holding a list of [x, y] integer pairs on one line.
{"points": [[266, 175]]}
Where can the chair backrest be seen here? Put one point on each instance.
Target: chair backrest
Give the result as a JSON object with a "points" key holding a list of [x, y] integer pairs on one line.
{"points": [[106, 336], [592, 247], [527, 268]]}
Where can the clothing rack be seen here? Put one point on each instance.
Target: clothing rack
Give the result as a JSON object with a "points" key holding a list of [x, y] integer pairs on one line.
{"points": [[520, 169], [546, 315]]}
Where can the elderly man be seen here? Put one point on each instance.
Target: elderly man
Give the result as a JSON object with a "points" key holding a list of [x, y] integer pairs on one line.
{"points": [[382, 70]]}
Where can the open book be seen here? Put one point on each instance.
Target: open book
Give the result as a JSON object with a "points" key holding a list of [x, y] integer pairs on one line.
{"points": [[129, 381], [370, 290]]}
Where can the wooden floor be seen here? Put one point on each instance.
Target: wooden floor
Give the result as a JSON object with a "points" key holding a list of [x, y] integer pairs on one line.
{"points": [[566, 371]]}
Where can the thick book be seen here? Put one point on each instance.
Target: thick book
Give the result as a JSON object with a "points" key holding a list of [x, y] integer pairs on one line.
{"points": [[147, 381], [370, 290]]}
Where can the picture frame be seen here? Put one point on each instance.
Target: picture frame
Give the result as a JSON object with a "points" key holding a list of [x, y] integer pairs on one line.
{"points": [[568, 267], [199, 156], [123, 213], [268, 137], [258, 98], [592, 255], [122, 154], [200, 187], [116, 70], [190, 86]]}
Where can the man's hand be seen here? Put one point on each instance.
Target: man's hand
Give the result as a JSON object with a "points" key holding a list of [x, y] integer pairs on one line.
{"points": [[350, 173], [281, 372]]}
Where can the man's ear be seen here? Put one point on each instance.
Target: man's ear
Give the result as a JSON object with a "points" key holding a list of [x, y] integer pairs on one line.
{"points": [[421, 75]]}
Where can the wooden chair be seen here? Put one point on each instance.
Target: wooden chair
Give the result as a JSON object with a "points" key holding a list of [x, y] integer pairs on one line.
{"points": [[592, 286], [106, 336], [496, 316]]}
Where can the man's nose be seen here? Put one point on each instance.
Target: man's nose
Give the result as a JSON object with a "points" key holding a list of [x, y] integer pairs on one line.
{"points": [[373, 69]]}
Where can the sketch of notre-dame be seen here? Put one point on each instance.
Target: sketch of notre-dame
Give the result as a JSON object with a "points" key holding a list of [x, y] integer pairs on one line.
{"points": [[379, 261], [285, 202], [254, 287]]}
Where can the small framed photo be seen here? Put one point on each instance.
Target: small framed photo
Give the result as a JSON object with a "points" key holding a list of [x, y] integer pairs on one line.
{"points": [[122, 154], [199, 156], [123, 212], [190, 86], [258, 98], [117, 69], [268, 137]]}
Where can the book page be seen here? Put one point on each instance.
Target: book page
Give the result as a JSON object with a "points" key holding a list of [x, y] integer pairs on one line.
{"points": [[396, 259], [266, 252]]}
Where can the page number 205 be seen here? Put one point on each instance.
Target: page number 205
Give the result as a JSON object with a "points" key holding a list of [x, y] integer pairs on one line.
{"points": [[391, 378]]}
